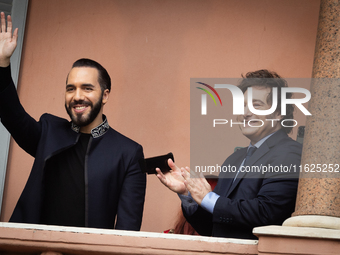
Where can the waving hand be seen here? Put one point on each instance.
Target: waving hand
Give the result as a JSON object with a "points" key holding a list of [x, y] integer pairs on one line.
{"points": [[8, 42]]}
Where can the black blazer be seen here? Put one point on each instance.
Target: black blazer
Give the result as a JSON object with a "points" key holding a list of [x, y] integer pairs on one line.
{"points": [[254, 199]]}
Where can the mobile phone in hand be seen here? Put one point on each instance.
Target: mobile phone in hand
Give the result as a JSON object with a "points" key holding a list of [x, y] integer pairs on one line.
{"points": [[149, 165]]}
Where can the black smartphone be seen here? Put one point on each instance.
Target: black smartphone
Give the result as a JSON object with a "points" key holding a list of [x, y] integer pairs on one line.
{"points": [[149, 165]]}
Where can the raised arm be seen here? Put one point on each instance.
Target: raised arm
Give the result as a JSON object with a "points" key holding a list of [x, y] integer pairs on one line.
{"points": [[8, 41], [24, 129]]}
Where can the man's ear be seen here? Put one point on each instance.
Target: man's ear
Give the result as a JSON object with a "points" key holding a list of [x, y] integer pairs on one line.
{"points": [[106, 94]]}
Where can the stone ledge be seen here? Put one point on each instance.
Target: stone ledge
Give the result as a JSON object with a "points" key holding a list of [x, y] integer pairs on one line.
{"points": [[313, 221], [278, 240], [31, 238], [297, 232]]}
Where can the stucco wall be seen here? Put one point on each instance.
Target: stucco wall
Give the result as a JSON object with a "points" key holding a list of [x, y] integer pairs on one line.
{"points": [[151, 49]]}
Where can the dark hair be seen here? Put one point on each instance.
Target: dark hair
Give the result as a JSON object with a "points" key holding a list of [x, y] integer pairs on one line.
{"points": [[103, 76], [268, 79]]}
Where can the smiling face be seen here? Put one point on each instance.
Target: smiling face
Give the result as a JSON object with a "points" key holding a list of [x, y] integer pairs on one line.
{"points": [[84, 98], [256, 132]]}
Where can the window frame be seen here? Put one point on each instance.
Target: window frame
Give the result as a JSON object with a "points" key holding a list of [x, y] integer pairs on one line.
{"points": [[18, 13]]}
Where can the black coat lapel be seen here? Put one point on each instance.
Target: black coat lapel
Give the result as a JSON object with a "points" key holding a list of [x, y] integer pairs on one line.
{"points": [[226, 178]]}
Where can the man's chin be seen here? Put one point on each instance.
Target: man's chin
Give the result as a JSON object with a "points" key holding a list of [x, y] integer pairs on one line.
{"points": [[84, 119], [80, 121], [248, 131]]}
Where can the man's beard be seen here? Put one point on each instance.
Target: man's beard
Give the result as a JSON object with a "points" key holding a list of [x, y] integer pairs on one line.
{"points": [[81, 120]]}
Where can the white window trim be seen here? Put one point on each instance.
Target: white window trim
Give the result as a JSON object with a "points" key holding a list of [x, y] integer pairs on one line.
{"points": [[18, 13]]}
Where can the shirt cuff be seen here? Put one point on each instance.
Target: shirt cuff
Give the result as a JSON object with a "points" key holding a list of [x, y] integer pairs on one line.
{"points": [[188, 204], [209, 201]]}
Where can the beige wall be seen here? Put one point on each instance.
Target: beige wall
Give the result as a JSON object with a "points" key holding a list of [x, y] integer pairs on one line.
{"points": [[151, 50]]}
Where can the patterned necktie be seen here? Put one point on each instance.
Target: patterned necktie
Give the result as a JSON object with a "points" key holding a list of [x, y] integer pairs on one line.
{"points": [[250, 152]]}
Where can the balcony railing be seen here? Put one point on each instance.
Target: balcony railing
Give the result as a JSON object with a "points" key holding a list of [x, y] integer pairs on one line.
{"points": [[37, 239]]}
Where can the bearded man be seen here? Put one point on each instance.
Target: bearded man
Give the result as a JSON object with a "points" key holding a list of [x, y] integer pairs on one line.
{"points": [[85, 173]]}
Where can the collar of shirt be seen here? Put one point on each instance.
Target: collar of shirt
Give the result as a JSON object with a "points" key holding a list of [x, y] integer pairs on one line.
{"points": [[96, 132], [259, 143]]}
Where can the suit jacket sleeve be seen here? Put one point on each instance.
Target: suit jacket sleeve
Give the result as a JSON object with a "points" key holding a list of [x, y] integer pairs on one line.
{"points": [[131, 200], [23, 128]]}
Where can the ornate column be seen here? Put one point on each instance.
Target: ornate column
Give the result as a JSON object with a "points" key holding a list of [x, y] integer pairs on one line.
{"points": [[318, 198], [314, 227]]}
